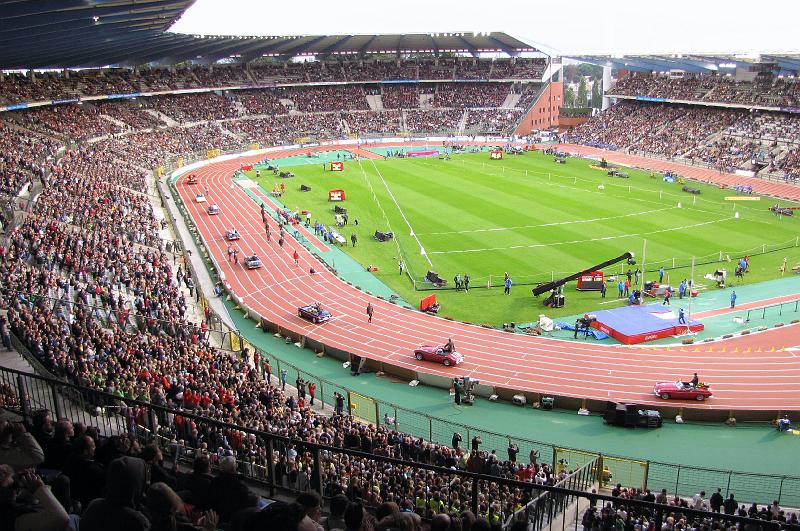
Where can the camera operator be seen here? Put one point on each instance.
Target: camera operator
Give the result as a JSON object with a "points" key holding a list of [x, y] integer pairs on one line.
{"points": [[27, 504], [18, 448]]}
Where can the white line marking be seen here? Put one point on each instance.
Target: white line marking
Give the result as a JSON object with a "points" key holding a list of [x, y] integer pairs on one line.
{"points": [[604, 238], [410, 228], [549, 224]]}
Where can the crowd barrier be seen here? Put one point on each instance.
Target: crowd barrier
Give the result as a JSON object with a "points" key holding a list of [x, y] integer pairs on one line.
{"points": [[28, 394]]}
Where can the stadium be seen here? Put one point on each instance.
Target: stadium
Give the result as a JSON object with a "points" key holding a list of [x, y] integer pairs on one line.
{"points": [[402, 280]]}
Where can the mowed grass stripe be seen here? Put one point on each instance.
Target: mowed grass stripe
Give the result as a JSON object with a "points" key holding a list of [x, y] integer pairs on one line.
{"points": [[442, 199]]}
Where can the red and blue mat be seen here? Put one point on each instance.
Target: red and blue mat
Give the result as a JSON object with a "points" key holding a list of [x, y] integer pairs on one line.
{"points": [[639, 324]]}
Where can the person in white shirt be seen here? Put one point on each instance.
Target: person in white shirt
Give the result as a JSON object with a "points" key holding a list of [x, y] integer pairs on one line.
{"points": [[697, 500]]}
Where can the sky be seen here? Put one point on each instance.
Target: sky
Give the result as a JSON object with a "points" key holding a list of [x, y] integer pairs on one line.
{"points": [[570, 27]]}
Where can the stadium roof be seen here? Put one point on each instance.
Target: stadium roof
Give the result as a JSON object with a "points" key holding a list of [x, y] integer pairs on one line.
{"points": [[93, 33], [700, 64]]}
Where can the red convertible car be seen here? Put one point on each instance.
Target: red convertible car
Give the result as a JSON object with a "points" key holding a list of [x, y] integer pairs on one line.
{"points": [[438, 354], [682, 390]]}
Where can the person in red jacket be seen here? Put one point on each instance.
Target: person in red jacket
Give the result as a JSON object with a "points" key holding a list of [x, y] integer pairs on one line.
{"points": [[312, 391], [296, 257]]}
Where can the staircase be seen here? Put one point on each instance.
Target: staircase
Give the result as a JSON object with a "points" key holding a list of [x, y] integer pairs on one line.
{"points": [[163, 117], [462, 123], [426, 101], [118, 123], [375, 102], [286, 102], [511, 100], [237, 104]]}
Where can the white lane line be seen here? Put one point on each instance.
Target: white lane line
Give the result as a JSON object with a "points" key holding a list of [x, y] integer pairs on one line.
{"points": [[576, 221], [604, 238], [410, 228]]}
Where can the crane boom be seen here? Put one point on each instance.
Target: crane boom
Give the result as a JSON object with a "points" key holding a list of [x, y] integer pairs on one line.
{"points": [[538, 290]]}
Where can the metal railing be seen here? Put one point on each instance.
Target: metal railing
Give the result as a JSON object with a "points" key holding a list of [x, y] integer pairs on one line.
{"points": [[109, 416], [545, 508], [781, 308]]}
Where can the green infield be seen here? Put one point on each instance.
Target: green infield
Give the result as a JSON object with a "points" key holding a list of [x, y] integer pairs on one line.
{"points": [[536, 220]]}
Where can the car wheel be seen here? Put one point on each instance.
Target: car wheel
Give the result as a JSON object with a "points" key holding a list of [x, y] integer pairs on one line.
{"points": [[418, 355], [446, 362], [700, 398], [665, 396]]}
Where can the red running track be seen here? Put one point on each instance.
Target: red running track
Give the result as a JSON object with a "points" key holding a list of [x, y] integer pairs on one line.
{"points": [[753, 372]]}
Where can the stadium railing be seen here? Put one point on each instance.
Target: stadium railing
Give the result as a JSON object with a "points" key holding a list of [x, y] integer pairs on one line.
{"points": [[544, 509], [26, 394]]}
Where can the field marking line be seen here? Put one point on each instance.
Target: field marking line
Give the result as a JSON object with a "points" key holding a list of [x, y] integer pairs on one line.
{"points": [[604, 238], [549, 224], [380, 206], [410, 228]]}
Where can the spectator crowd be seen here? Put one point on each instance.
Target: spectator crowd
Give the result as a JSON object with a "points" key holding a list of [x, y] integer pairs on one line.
{"points": [[95, 293]]}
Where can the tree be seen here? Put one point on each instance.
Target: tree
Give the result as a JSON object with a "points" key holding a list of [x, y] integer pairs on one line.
{"points": [[569, 96], [582, 99]]}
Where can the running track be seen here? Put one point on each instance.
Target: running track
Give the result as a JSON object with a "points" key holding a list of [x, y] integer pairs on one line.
{"points": [[759, 371]]}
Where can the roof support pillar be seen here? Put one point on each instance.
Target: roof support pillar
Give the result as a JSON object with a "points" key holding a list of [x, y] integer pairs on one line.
{"points": [[607, 85]]}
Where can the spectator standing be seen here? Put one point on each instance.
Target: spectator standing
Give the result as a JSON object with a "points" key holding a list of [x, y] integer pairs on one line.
{"points": [[476, 442], [466, 282], [660, 275], [513, 450], [603, 289], [716, 501], [354, 239], [730, 505], [5, 333], [312, 392], [507, 286], [698, 501], [370, 311], [284, 374], [620, 289], [339, 403]]}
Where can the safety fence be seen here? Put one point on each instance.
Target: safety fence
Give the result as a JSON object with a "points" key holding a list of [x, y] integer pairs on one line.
{"points": [[722, 256], [32, 395], [679, 480]]}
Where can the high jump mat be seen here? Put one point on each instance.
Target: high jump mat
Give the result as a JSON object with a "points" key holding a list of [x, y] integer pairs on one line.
{"points": [[641, 323]]}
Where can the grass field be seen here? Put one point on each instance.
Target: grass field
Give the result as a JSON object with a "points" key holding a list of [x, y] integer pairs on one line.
{"points": [[537, 221]]}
